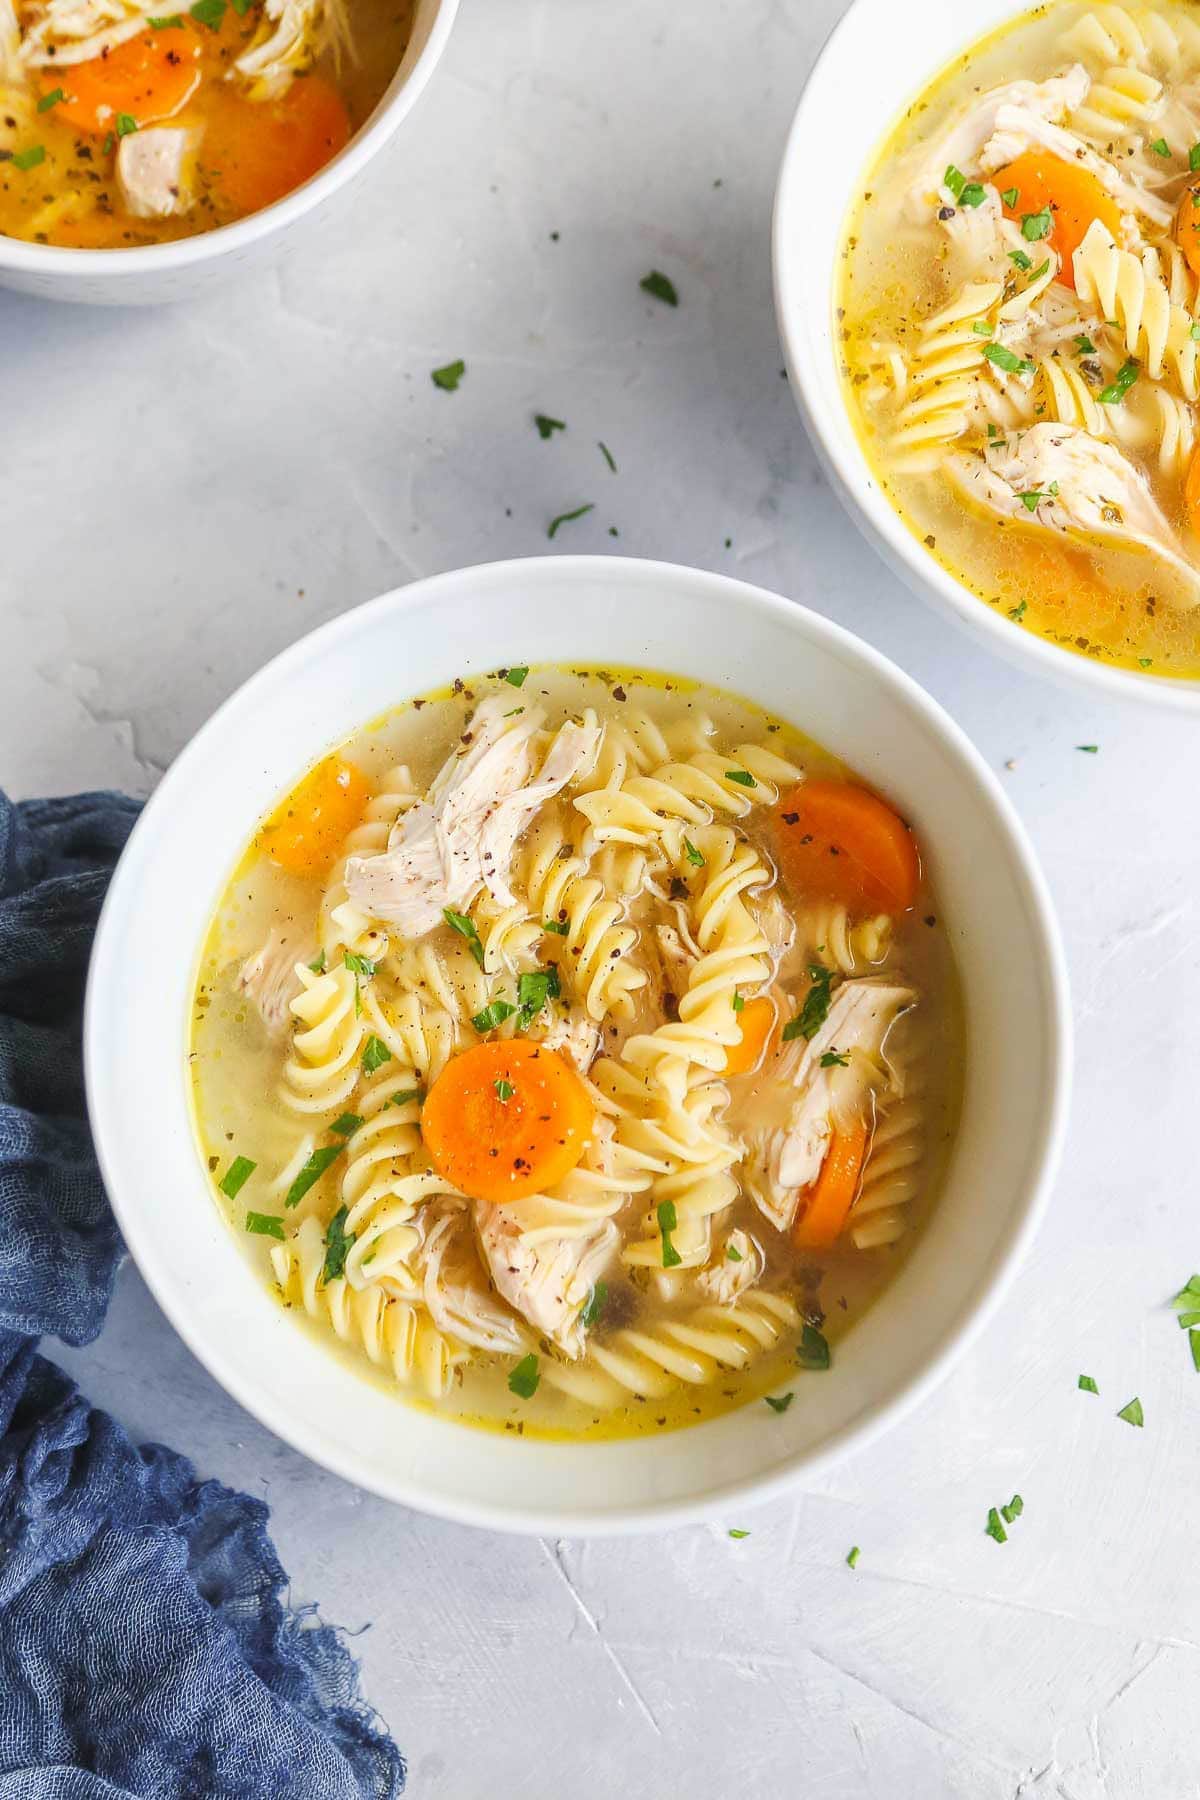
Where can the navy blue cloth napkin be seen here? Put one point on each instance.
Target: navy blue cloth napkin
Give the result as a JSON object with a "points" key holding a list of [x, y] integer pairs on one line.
{"points": [[145, 1648]]}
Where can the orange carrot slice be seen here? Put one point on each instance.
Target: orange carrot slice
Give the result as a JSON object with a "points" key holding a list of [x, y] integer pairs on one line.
{"points": [[832, 1194], [757, 1020], [1191, 492], [1187, 226], [305, 834], [836, 841], [506, 1119], [259, 151], [150, 77], [1071, 192]]}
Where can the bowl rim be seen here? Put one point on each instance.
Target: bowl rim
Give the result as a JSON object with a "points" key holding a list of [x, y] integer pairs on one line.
{"points": [[994, 1278], [68, 263], [849, 471]]}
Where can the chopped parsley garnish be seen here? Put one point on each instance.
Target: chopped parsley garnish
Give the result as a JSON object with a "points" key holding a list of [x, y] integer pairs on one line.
{"points": [[779, 1402], [607, 454], [1189, 1294], [265, 1224], [312, 1172], [692, 854], [408, 1094], [1031, 499], [1008, 360], [560, 927], [1194, 333], [1133, 1414], [735, 1533], [236, 1176], [1194, 1346], [525, 1377], [733, 1253], [30, 159], [465, 928], [812, 1352], [1019, 257], [1089, 749], [1144, 662], [1115, 392], [834, 1059], [338, 1243], [1018, 612], [126, 125], [667, 1223], [516, 677], [981, 328], [548, 426], [1036, 226], [994, 1528], [852, 1558], [1013, 1510], [1087, 1385], [50, 99], [492, 1015], [317, 965], [449, 375], [375, 1054], [1040, 270], [1194, 158], [815, 1011], [596, 1302], [567, 517], [738, 1003], [743, 777], [1084, 345], [360, 965], [659, 287], [533, 991], [504, 1090], [346, 1125], [1010, 196], [208, 12], [1160, 147]]}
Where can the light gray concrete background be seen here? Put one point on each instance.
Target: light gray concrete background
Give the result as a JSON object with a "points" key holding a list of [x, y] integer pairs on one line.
{"points": [[186, 491]]}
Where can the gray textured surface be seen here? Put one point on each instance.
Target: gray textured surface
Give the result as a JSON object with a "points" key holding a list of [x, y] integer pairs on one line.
{"points": [[187, 491]]}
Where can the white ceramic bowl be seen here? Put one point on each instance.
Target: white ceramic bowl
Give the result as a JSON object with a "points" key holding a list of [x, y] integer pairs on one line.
{"points": [[601, 611], [190, 266], [877, 60]]}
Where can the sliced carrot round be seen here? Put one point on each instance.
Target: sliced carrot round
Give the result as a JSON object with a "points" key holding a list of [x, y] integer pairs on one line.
{"points": [[150, 77], [1036, 180], [259, 151], [823, 1216], [757, 1020], [305, 834], [1191, 492], [506, 1119], [1187, 227], [836, 841]]}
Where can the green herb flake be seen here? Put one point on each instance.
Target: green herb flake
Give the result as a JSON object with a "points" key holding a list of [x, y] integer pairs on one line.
{"points": [[596, 1302], [812, 1352], [1160, 147], [525, 1377], [1133, 1414], [50, 99], [1040, 270], [738, 1003], [208, 12], [852, 1558], [834, 1059], [742, 777], [504, 1090], [994, 1529], [236, 1176], [338, 1243], [548, 426], [265, 1225], [733, 1253], [31, 158], [1189, 1293], [1144, 662], [1194, 1346], [1010, 196], [559, 927], [735, 1533], [533, 991], [779, 1402], [973, 194], [408, 1094], [492, 1015], [667, 1223], [954, 179], [1115, 392], [1194, 158], [375, 1054], [692, 854], [317, 965], [1006, 359], [659, 287], [1084, 346], [1087, 1385], [466, 929], [1018, 612], [607, 454], [1188, 1319], [346, 1125], [126, 125], [1019, 257], [360, 965], [1089, 749], [815, 1011], [1036, 226], [449, 375], [567, 517], [312, 1172], [1013, 1510], [109, 144], [981, 328], [516, 677], [1031, 499]]}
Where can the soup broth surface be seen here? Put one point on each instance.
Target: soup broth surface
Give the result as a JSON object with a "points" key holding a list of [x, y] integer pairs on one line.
{"points": [[665, 1276]]}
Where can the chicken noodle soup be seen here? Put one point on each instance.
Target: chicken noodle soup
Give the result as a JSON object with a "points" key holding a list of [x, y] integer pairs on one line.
{"points": [[1019, 326], [579, 1053], [122, 123]]}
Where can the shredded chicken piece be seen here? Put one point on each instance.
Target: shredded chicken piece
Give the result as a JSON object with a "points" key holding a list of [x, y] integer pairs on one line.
{"points": [[546, 1280], [1018, 128], [291, 37], [736, 1266], [269, 979], [462, 1308], [66, 32], [784, 1160], [152, 171], [577, 1035], [962, 143], [1060, 477], [460, 838]]}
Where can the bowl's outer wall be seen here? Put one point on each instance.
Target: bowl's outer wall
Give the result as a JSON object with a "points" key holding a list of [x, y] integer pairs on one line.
{"points": [[162, 273], [877, 60], [573, 610]]}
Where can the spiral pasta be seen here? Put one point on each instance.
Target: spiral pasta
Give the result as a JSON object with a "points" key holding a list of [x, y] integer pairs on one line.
{"points": [[1137, 37], [943, 378], [1130, 289], [595, 951], [321, 1069]]}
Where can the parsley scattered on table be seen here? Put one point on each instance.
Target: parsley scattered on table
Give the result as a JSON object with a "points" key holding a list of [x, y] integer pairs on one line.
{"points": [[852, 1558], [1133, 1414], [449, 375], [659, 287], [548, 426], [568, 517], [1087, 1385]]}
